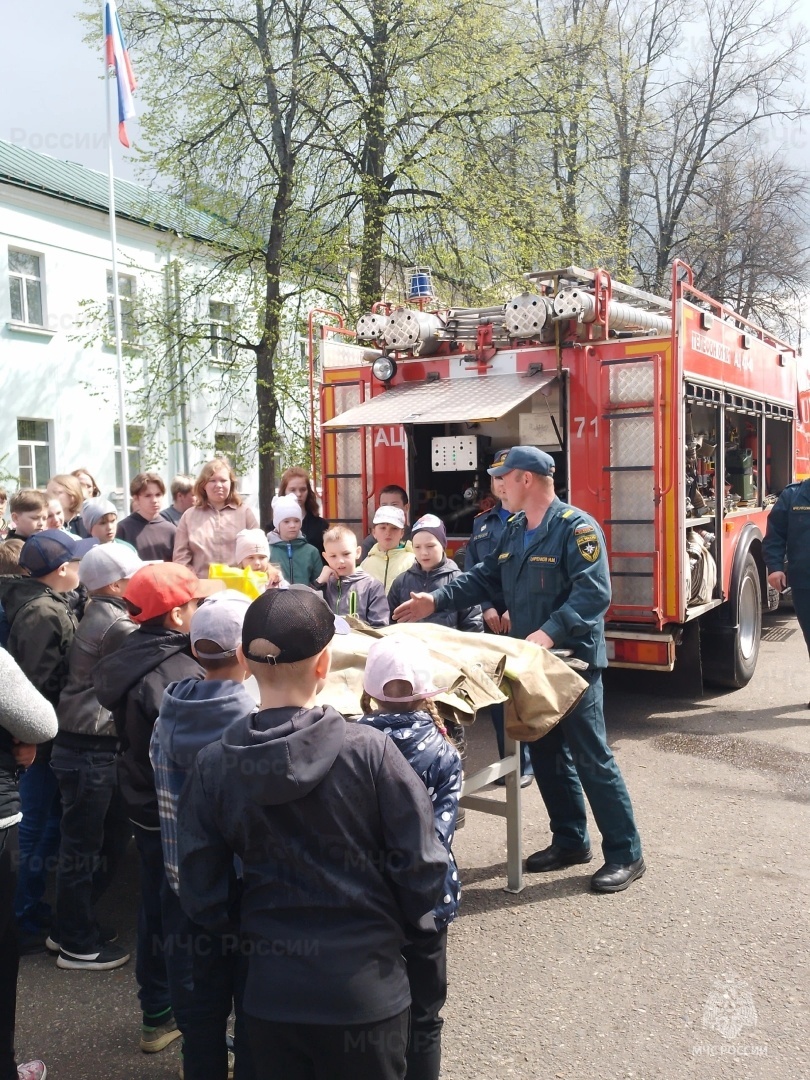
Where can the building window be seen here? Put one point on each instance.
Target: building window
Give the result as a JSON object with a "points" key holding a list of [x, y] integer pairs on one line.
{"points": [[126, 299], [25, 287], [220, 319], [34, 452], [134, 440]]}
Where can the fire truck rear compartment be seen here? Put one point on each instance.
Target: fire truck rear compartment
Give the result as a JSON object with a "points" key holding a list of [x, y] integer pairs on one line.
{"points": [[440, 480]]}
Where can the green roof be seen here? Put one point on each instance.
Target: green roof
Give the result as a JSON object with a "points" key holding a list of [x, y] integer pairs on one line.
{"points": [[76, 184]]}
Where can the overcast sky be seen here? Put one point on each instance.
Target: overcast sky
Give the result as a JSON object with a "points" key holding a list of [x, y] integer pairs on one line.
{"points": [[51, 93]]}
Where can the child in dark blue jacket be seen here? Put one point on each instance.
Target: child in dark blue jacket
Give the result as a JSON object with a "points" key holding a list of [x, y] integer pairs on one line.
{"points": [[431, 572], [398, 677]]}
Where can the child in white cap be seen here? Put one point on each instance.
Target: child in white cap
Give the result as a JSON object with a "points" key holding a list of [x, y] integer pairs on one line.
{"points": [[399, 678], [298, 561], [391, 555]]}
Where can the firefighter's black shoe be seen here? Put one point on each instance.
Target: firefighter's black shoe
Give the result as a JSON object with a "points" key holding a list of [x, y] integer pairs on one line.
{"points": [[555, 858], [614, 877]]}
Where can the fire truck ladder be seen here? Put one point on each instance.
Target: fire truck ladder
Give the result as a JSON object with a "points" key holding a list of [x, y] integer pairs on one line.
{"points": [[345, 455], [593, 296], [630, 395]]}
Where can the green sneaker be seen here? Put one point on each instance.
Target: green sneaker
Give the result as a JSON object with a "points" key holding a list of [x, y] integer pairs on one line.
{"points": [[154, 1039]]}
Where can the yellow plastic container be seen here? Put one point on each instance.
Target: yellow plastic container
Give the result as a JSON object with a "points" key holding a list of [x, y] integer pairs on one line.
{"points": [[251, 582]]}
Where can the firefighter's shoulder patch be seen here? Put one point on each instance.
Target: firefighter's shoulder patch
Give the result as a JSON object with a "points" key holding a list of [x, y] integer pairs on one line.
{"points": [[588, 544], [504, 555], [583, 529]]}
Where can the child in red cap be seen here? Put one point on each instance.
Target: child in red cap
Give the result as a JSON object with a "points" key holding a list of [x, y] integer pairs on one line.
{"points": [[161, 597]]}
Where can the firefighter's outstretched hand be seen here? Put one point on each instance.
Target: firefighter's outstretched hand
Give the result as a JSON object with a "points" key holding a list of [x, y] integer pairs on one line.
{"points": [[420, 605], [777, 580], [539, 637]]}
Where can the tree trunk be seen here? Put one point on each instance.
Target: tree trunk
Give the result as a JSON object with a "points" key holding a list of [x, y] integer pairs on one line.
{"points": [[374, 191], [375, 209], [267, 412], [266, 400]]}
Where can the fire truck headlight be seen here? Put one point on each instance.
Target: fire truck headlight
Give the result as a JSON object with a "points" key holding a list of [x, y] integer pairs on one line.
{"points": [[384, 368]]}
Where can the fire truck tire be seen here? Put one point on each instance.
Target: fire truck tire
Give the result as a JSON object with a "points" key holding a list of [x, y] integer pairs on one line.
{"points": [[730, 653]]}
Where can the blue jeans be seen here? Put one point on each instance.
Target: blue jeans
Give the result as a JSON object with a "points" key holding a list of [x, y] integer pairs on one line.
{"points": [[150, 954], [39, 841], [574, 757], [496, 712], [95, 831], [206, 977]]}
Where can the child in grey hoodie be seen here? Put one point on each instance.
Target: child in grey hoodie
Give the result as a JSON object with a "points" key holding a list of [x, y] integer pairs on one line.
{"points": [[349, 590], [204, 969]]}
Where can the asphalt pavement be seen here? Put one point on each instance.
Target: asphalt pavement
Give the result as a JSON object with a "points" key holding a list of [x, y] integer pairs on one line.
{"points": [[700, 969]]}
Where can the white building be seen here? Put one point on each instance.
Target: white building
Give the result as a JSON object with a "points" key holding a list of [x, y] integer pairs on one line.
{"points": [[58, 391]]}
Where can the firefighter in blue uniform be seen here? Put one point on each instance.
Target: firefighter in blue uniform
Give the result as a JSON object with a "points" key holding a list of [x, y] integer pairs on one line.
{"points": [[551, 567], [787, 536], [486, 532]]}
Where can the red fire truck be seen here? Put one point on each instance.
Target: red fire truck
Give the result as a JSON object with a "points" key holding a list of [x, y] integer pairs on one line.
{"points": [[675, 423]]}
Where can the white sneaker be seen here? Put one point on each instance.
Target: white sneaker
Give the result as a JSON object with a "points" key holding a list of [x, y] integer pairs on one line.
{"points": [[107, 958]]}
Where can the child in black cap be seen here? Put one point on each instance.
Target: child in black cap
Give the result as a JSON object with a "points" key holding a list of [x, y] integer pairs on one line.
{"points": [[339, 854], [431, 571]]}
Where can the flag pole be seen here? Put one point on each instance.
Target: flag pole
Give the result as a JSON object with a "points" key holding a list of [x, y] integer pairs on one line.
{"points": [[119, 352]]}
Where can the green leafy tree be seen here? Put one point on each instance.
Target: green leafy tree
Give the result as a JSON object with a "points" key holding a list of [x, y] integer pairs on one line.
{"points": [[412, 75], [234, 97]]}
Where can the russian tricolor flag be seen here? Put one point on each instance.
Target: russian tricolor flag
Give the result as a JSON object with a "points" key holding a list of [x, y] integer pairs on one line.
{"points": [[118, 58]]}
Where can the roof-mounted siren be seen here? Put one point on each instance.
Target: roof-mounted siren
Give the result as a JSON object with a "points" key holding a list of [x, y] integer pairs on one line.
{"points": [[416, 332], [372, 327], [527, 314], [420, 284], [577, 303]]}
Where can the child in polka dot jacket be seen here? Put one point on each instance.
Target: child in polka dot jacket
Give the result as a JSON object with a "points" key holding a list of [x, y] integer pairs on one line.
{"points": [[398, 677]]}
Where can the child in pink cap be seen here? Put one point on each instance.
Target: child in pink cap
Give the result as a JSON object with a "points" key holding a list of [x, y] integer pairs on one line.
{"points": [[399, 678]]}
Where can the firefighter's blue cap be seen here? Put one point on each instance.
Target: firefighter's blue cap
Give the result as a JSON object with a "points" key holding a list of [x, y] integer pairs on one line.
{"points": [[526, 458]]}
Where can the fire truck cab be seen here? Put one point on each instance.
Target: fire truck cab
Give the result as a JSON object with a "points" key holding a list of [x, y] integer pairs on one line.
{"points": [[674, 422]]}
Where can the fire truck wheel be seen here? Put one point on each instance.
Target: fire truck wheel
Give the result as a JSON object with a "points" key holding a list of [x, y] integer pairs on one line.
{"points": [[730, 657]]}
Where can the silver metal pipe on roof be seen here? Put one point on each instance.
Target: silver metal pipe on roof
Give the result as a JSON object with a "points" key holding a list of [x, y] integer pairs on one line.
{"points": [[576, 303]]}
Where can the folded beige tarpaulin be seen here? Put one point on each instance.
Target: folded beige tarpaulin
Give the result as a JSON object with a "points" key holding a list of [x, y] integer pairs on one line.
{"points": [[479, 670]]}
